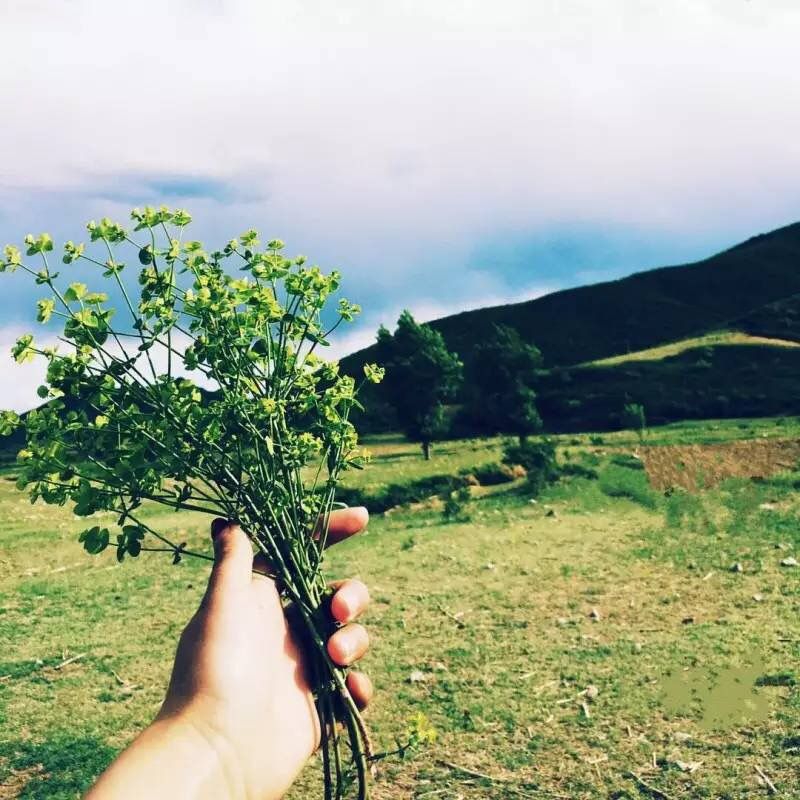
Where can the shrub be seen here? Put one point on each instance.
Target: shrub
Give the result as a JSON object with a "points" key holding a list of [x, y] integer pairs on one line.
{"points": [[493, 474], [456, 505], [578, 471], [539, 460], [596, 440], [633, 417]]}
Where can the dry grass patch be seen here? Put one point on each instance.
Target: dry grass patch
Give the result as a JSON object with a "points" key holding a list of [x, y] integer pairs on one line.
{"points": [[695, 466]]}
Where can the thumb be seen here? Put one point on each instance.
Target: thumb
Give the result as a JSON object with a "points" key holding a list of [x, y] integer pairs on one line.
{"points": [[233, 563]]}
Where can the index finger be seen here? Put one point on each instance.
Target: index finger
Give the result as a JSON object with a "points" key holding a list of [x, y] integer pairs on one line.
{"points": [[346, 522]]}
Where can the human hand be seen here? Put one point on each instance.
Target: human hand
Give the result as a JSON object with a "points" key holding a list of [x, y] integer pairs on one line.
{"points": [[239, 691], [239, 673]]}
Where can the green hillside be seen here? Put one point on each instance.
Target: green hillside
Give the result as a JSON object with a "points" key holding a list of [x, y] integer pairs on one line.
{"points": [[748, 284], [725, 380], [778, 320], [706, 340]]}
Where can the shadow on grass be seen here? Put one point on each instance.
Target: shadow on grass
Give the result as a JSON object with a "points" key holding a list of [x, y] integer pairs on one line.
{"points": [[58, 768]]}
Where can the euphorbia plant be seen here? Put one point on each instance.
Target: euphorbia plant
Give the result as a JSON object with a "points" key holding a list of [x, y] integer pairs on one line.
{"points": [[261, 437]]}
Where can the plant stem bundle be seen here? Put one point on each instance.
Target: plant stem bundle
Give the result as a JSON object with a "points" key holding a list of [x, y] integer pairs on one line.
{"points": [[208, 395]]}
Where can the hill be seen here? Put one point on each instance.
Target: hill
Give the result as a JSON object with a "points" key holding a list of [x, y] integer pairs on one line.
{"points": [[707, 340], [712, 381], [749, 284]]}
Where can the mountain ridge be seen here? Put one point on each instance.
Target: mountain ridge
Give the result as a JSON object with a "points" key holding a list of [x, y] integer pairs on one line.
{"points": [[644, 309]]}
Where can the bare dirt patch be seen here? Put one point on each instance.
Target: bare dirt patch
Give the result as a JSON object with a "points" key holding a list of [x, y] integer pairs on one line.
{"points": [[695, 466]]}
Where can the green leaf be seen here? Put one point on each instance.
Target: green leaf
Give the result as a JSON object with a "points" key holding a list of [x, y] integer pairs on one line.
{"points": [[38, 244], [74, 292], [130, 541], [45, 309], [249, 238], [22, 350], [9, 422], [181, 218], [95, 539], [72, 252]]}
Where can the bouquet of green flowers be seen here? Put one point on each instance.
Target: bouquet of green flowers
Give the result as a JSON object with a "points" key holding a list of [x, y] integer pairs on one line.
{"points": [[261, 434]]}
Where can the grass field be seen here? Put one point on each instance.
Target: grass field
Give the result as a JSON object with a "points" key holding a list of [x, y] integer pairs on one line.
{"points": [[593, 644]]}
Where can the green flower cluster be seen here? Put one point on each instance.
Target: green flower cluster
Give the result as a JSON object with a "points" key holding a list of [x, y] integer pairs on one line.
{"points": [[206, 392]]}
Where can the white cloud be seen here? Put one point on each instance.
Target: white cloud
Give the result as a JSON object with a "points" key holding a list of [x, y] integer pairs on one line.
{"points": [[396, 139], [20, 381], [423, 311], [435, 120]]}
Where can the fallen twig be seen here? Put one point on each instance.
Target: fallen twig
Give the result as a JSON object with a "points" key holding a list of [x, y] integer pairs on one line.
{"points": [[764, 777], [70, 660], [120, 680], [455, 617]]}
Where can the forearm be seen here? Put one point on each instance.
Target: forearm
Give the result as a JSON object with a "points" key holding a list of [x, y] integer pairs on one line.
{"points": [[172, 758]]}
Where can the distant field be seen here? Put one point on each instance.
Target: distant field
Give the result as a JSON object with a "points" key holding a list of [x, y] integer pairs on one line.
{"points": [[604, 650], [695, 467], [710, 339]]}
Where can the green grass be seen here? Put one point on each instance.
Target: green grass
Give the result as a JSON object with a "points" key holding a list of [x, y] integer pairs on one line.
{"points": [[497, 615]]}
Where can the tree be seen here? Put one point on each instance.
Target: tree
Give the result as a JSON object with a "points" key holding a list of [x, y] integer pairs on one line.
{"points": [[502, 375], [633, 417], [421, 375]]}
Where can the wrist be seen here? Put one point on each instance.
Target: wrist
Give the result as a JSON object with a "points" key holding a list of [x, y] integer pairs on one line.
{"points": [[178, 755], [202, 745]]}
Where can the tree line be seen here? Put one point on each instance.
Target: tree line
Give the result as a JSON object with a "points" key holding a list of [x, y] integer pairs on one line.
{"points": [[423, 375]]}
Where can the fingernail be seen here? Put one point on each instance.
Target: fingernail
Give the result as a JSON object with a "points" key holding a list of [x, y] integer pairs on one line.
{"points": [[217, 526]]}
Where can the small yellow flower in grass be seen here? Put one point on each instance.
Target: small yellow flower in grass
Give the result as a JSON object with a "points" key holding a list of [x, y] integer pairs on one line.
{"points": [[420, 730], [270, 405]]}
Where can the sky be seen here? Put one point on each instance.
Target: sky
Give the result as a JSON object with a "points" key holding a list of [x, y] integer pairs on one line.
{"points": [[444, 155]]}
